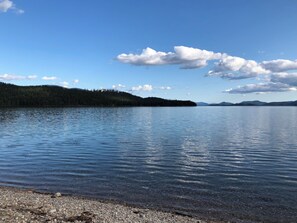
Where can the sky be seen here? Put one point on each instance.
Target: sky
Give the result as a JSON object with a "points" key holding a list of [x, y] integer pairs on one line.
{"points": [[201, 50]]}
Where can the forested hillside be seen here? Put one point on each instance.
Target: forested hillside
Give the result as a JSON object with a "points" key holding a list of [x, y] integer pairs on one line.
{"points": [[55, 96]]}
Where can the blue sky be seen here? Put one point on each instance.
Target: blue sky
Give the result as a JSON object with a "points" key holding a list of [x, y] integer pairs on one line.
{"points": [[212, 51]]}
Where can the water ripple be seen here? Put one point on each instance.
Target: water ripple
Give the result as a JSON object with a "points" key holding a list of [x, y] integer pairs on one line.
{"points": [[238, 164]]}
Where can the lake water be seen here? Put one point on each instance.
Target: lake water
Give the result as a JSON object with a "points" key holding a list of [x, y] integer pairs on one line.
{"points": [[231, 163]]}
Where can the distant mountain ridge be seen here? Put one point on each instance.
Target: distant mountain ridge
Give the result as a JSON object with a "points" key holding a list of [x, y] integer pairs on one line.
{"points": [[256, 103], [202, 104], [55, 96]]}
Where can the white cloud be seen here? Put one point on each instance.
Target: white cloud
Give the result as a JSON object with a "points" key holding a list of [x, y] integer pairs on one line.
{"points": [[230, 67], [260, 88], [233, 68], [76, 81], [147, 57], [186, 57], [6, 5], [279, 82], [190, 54], [64, 84], [49, 78], [32, 77], [279, 65], [145, 87], [165, 88], [118, 86], [191, 58], [13, 77], [285, 78], [274, 73], [194, 64], [227, 67]]}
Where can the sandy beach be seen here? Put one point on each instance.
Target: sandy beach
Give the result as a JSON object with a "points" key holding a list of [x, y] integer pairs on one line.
{"points": [[24, 206]]}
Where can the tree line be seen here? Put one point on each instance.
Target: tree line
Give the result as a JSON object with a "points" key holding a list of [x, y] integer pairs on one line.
{"points": [[56, 96]]}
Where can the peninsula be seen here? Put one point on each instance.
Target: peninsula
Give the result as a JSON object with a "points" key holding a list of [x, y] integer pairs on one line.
{"points": [[56, 96]]}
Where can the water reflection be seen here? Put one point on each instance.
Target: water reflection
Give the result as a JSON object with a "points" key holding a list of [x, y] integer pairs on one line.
{"points": [[235, 163]]}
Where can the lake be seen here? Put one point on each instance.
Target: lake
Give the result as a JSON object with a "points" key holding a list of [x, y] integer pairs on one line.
{"points": [[229, 163]]}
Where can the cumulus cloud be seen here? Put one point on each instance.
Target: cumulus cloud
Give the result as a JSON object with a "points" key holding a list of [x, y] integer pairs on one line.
{"points": [[118, 86], [186, 57], [274, 73], [279, 65], [285, 78], [6, 5], [49, 78], [13, 77], [76, 81], [277, 83], [147, 57], [146, 87], [226, 67], [234, 68], [261, 88], [190, 54]]}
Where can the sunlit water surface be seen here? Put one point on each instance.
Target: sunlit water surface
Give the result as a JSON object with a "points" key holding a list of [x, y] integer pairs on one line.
{"points": [[231, 163]]}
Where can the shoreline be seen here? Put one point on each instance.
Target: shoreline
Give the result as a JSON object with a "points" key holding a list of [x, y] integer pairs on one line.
{"points": [[25, 205]]}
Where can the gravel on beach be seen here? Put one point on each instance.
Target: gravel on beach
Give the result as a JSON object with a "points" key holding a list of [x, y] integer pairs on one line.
{"points": [[24, 206]]}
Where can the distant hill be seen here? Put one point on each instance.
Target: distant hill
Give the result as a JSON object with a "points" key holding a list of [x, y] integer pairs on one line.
{"points": [[222, 104], [257, 103], [252, 103], [55, 96], [201, 104]]}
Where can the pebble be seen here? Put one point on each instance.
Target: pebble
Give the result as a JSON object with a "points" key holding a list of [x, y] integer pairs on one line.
{"points": [[52, 211], [19, 206], [58, 194]]}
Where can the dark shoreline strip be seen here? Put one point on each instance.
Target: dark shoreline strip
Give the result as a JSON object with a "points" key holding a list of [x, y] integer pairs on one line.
{"points": [[26, 205]]}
